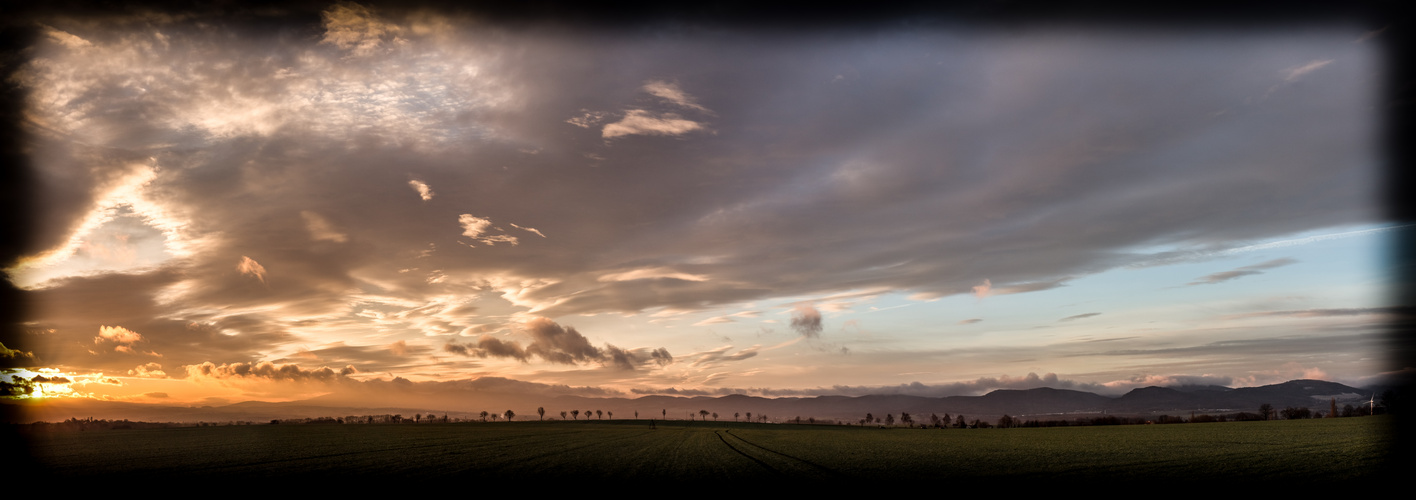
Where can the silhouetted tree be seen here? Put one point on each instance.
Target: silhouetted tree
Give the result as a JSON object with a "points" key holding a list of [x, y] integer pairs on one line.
{"points": [[509, 414], [562, 415], [599, 415], [575, 414], [1265, 411], [484, 415], [735, 416], [889, 419], [1005, 421], [1332, 408], [611, 414], [869, 419], [703, 414], [715, 416], [1291, 413], [749, 416], [906, 419], [541, 410], [1347, 410]]}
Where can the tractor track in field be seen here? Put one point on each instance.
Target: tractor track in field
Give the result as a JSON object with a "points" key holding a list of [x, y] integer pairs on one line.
{"points": [[785, 465]]}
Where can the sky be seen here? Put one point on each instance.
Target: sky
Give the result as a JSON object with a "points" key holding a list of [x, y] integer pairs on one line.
{"points": [[230, 210]]}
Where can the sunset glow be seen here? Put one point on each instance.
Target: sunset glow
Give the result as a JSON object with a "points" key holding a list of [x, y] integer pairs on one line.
{"points": [[373, 204]]}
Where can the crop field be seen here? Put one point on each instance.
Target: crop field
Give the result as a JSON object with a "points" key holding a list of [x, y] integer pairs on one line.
{"points": [[1297, 452]]}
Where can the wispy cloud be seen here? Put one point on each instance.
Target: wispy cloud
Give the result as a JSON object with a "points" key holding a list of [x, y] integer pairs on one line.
{"points": [[1216, 278], [672, 93], [1295, 72]]}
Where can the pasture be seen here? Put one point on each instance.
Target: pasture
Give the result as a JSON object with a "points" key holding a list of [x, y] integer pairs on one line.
{"points": [[1289, 453]]}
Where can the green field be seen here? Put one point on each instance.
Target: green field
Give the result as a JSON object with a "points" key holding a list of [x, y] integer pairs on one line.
{"points": [[1297, 452]]}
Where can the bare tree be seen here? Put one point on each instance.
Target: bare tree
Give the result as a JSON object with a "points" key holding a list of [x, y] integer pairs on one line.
{"points": [[735, 416], [541, 410], [575, 414], [599, 415], [562, 415], [484, 415], [611, 414]]}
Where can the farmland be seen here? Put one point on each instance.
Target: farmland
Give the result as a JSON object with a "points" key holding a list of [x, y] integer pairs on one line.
{"points": [[1279, 452]]}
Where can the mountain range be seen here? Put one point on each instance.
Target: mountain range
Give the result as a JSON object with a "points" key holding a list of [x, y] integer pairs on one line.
{"points": [[1040, 403]]}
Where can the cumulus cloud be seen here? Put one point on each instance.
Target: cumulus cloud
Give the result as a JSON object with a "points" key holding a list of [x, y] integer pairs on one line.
{"points": [[641, 122], [251, 267], [117, 334], [424, 191], [1216, 278], [152, 370], [806, 321]]}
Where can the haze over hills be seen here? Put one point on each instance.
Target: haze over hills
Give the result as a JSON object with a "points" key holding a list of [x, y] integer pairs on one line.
{"points": [[1040, 403]]}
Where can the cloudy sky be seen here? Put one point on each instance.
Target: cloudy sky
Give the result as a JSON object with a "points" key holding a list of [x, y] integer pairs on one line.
{"points": [[234, 210]]}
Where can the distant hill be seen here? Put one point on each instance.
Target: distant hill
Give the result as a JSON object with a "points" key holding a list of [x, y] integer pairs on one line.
{"points": [[1040, 403]]}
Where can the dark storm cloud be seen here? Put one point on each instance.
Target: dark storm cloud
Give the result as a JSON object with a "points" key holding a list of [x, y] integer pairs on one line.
{"points": [[806, 320], [563, 345], [1221, 277], [268, 370], [675, 169]]}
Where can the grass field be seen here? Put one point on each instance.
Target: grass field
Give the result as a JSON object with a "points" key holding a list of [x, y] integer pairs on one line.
{"points": [[1298, 452]]}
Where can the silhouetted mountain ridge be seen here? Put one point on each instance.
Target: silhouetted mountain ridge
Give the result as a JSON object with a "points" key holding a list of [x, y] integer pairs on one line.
{"points": [[1039, 403]]}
